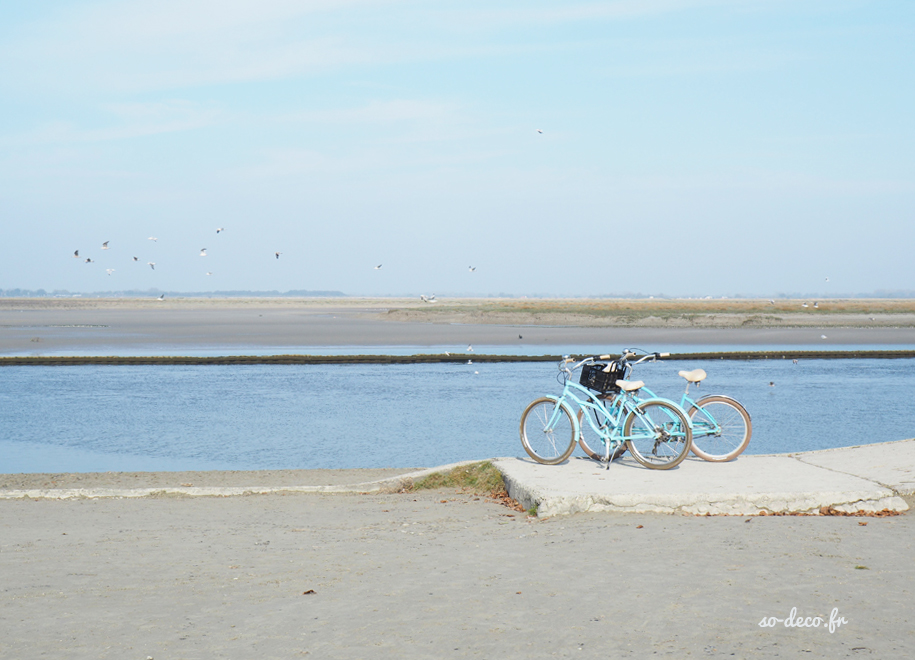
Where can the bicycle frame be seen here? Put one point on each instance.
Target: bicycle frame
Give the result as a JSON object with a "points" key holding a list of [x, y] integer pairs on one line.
{"points": [[622, 405], [707, 424]]}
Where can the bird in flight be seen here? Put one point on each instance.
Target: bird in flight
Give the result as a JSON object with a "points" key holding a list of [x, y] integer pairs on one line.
{"points": [[105, 245], [109, 270], [209, 273], [469, 348], [162, 297], [471, 268], [816, 305], [540, 131], [278, 254], [151, 264], [378, 267], [203, 252], [88, 261], [219, 229], [822, 336], [803, 304], [152, 238], [136, 258], [76, 254]]}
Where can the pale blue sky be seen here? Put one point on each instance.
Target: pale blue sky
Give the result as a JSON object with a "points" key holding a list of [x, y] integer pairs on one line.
{"points": [[708, 148]]}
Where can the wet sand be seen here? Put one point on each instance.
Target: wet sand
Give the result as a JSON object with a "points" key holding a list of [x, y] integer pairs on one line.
{"points": [[112, 326]]}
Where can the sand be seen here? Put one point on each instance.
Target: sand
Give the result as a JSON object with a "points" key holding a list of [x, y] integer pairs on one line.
{"points": [[440, 574], [114, 327]]}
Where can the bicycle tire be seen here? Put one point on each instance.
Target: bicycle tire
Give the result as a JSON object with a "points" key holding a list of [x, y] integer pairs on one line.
{"points": [[547, 445], [734, 428], [658, 435], [590, 443]]}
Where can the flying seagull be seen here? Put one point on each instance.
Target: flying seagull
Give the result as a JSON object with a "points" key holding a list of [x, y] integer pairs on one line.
{"points": [[209, 273], [540, 131], [76, 254], [109, 270], [203, 252], [152, 238], [219, 229], [471, 268], [88, 261], [151, 264], [278, 254], [162, 297], [378, 267], [136, 258], [469, 348], [105, 245]]}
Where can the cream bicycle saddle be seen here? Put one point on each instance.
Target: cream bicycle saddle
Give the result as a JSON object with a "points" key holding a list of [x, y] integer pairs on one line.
{"points": [[693, 376], [630, 385]]}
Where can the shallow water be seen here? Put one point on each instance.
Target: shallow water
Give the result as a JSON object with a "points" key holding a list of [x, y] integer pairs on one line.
{"points": [[101, 418]]}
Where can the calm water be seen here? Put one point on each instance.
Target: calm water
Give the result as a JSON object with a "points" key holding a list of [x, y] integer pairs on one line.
{"points": [[99, 418]]}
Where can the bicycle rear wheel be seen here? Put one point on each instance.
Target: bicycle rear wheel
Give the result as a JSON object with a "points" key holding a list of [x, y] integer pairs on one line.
{"points": [[547, 431], [592, 444], [657, 433], [721, 428]]}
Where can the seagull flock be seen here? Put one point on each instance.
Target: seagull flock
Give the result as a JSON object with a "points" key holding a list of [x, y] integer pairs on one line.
{"points": [[203, 253]]}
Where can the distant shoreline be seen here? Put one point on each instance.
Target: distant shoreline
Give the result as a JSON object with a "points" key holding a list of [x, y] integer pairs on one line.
{"points": [[45, 327]]}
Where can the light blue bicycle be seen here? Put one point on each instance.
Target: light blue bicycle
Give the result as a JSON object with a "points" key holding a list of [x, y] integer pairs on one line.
{"points": [[721, 426], [657, 432]]}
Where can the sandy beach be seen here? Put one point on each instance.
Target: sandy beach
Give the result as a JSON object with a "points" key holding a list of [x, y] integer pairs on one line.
{"points": [[431, 573], [41, 326], [441, 574]]}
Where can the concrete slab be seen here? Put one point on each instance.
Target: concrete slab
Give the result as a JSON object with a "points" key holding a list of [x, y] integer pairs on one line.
{"points": [[891, 464], [750, 485]]}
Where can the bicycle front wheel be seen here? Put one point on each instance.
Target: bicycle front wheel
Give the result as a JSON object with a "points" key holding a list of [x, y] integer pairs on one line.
{"points": [[547, 431], [721, 428], [658, 435], [591, 443]]}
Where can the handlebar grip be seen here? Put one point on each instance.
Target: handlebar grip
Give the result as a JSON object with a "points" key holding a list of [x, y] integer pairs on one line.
{"points": [[663, 354], [605, 357], [567, 360]]}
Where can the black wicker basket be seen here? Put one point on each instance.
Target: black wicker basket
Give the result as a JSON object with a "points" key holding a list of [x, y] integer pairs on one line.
{"points": [[595, 378]]}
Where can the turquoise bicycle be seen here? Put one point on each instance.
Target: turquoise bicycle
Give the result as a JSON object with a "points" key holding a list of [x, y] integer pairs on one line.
{"points": [[721, 426], [656, 431]]}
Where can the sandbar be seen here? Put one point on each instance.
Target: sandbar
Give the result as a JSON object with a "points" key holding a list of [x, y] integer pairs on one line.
{"points": [[116, 326]]}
